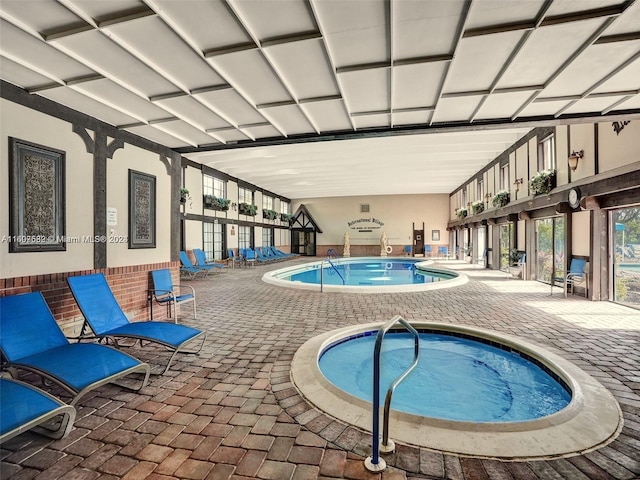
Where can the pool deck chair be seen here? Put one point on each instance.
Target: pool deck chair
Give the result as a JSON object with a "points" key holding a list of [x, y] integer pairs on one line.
{"points": [[201, 259], [443, 252], [24, 407], [107, 320], [575, 275], [166, 293], [189, 269], [30, 339]]}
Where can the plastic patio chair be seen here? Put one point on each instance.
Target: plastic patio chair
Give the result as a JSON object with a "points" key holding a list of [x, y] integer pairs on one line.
{"points": [[189, 269], [30, 339], [107, 320], [24, 407], [443, 252], [201, 259], [575, 275], [164, 292]]}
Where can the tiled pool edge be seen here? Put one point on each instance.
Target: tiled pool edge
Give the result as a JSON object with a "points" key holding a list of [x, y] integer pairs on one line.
{"points": [[563, 434]]}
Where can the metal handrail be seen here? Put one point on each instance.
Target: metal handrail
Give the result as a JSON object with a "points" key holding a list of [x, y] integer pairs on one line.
{"points": [[322, 273], [331, 253], [374, 463]]}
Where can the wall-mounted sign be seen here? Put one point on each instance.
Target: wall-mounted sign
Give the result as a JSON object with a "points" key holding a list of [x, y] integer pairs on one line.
{"points": [[618, 126], [112, 216], [365, 224]]}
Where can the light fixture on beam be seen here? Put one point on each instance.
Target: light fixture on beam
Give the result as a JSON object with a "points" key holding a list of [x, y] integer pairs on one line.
{"points": [[517, 183], [574, 158]]}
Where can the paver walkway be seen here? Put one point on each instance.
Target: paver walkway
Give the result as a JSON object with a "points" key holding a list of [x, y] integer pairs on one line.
{"points": [[232, 413]]}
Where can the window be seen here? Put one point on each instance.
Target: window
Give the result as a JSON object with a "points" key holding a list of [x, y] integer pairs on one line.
{"points": [[245, 196], [547, 153], [214, 186], [267, 237], [480, 190], [504, 177], [244, 236], [213, 240], [267, 202], [284, 207]]}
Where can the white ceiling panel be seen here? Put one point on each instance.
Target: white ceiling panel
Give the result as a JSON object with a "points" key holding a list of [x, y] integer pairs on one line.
{"points": [[424, 28], [113, 94], [366, 90], [450, 109], [250, 73], [411, 118], [356, 31], [327, 116], [21, 76], [502, 105], [166, 53], [290, 118], [479, 60], [186, 132], [417, 85], [158, 136], [116, 63], [37, 55], [372, 121], [231, 105], [314, 71], [546, 51], [305, 67], [76, 100], [275, 18], [189, 109]]}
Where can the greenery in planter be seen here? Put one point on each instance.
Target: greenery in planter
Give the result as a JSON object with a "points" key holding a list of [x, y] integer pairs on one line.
{"points": [[542, 182], [216, 203], [461, 213], [477, 207], [501, 198], [184, 195], [248, 209], [285, 217], [269, 214]]}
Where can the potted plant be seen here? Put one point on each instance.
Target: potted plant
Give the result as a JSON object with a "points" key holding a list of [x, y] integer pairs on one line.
{"points": [[542, 182], [216, 203], [269, 214], [477, 207], [285, 217], [247, 209], [501, 198], [184, 195], [461, 213]]}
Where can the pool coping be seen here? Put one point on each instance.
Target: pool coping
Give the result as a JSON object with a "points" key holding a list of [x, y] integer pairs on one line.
{"points": [[460, 279], [591, 420]]}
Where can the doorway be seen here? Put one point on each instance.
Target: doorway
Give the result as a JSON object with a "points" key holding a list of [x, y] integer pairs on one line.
{"points": [[418, 242], [550, 248], [303, 242]]}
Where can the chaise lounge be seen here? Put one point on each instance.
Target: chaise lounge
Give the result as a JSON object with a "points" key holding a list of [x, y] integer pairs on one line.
{"points": [[31, 340], [107, 320]]}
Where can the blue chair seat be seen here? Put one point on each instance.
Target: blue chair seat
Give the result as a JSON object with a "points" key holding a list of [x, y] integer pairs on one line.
{"points": [[24, 407], [166, 293], [107, 320], [201, 259]]}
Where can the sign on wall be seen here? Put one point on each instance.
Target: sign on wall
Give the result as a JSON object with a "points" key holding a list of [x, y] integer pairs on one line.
{"points": [[365, 224]]}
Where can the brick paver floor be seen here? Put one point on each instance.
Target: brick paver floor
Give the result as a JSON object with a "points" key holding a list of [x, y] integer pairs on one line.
{"points": [[232, 413]]}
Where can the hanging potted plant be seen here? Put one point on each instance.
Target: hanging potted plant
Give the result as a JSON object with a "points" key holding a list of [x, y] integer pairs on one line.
{"points": [[184, 195], [216, 203], [247, 209], [543, 182], [477, 207], [501, 198], [269, 214], [286, 217], [461, 213]]}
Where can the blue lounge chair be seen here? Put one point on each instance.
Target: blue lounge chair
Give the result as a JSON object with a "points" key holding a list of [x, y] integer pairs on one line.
{"points": [[250, 257], [231, 256], [407, 250], [443, 252], [575, 275], [107, 320], [189, 269], [30, 339], [201, 259], [166, 293], [24, 407], [427, 250]]}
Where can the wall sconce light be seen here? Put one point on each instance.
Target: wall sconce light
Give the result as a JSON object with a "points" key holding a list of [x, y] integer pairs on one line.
{"points": [[487, 197], [574, 158], [234, 205], [517, 183]]}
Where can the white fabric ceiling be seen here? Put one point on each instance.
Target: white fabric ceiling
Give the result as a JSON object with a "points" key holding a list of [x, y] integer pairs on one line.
{"points": [[209, 78]]}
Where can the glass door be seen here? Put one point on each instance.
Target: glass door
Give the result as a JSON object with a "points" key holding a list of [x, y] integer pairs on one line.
{"points": [[506, 234], [625, 235], [550, 248]]}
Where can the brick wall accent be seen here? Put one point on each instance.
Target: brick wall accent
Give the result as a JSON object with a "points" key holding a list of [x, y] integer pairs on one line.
{"points": [[130, 285]]}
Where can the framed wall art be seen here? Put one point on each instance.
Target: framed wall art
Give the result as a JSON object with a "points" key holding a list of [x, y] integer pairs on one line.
{"points": [[142, 210], [435, 235], [36, 197]]}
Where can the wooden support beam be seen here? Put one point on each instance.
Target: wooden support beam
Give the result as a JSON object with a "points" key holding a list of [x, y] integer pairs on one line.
{"points": [[590, 203], [563, 207], [524, 215]]}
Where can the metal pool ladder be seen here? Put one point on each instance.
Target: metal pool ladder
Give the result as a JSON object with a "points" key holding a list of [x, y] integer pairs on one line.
{"points": [[374, 463], [331, 253]]}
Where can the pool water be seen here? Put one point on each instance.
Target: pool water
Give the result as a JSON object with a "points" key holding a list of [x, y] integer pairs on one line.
{"points": [[370, 272], [456, 378]]}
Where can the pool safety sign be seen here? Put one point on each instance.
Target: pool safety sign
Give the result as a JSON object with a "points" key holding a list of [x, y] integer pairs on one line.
{"points": [[365, 224]]}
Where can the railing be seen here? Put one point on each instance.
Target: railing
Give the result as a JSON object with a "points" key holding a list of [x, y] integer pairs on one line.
{"points": [[374, 463], [331, 253], [322, 273]]}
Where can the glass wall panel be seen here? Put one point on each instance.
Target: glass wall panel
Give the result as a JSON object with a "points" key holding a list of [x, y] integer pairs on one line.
{"points": [[625, 235]]}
